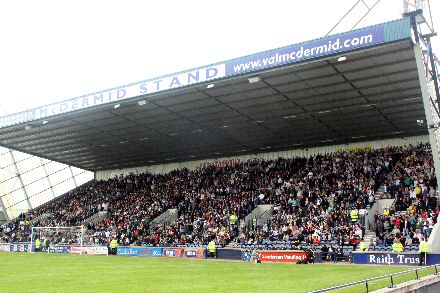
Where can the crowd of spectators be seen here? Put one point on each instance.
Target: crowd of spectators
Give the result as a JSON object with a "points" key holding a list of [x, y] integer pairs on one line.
{"points": [[314, 205], [412, 182], [313, 200]]}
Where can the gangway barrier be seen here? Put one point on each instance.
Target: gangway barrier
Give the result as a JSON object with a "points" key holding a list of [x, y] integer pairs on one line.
{"points": [[390, 276]]}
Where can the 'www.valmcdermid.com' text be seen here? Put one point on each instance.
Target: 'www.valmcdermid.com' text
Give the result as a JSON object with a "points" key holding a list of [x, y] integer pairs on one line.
{"points": [[340, 44]]}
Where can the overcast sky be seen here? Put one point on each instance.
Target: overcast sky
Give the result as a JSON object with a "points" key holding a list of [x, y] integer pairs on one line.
{"points": [[55, 50]]}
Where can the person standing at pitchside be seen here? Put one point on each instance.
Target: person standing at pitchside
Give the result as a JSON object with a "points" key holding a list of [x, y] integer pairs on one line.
{"points": [[423, 248]]}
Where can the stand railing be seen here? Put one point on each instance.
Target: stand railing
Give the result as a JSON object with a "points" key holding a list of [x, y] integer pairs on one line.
{"points": [[390, 276]]}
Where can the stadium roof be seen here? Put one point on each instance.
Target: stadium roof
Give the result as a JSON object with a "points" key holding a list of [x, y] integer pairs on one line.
{"points": [[360, 85]]}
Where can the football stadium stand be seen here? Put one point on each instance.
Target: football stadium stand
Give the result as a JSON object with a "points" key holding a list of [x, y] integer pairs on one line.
{"points": [[312, 198], [322, 151], [322, 145]]}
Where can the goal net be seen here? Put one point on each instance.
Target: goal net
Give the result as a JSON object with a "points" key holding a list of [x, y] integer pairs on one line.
{"points": [[56, 239]]}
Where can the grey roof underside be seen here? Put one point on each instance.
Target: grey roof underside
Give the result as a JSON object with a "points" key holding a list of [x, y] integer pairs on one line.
{"points": [[374, 94]]}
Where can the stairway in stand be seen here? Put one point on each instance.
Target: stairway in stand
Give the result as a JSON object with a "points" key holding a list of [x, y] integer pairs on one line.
{"points": [[367, 239], [368, 233], [379, 192]]}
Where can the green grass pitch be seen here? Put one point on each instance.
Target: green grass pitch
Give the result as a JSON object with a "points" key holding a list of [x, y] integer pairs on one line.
{"points": [[41, 272]]}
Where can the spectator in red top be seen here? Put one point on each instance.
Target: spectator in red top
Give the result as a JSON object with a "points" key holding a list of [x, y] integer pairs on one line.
{"points": [[398, 221]]}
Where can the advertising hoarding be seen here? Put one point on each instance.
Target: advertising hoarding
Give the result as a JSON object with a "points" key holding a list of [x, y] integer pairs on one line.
{"points": [[140, 251], [284, 256], [172, 252], [195, 252]]}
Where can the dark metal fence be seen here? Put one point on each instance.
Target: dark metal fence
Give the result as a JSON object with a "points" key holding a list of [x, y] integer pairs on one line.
{"points": [[390, 276]]}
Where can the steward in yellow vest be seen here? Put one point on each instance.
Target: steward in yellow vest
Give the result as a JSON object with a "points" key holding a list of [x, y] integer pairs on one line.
{"points": [[354, 215], [113, 246], [211, 249], [233, 219], [397, 247], [362, 246], [38, 245], [424, 249]]}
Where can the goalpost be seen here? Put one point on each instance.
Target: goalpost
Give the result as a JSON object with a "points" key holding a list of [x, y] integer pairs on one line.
{"points": [[57, 237]]}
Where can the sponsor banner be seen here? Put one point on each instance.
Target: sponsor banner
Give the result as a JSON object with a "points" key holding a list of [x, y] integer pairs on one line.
{"points": [[281, 256], [127, 251], [229, 253], [19, 247], [245, 255], [140, 251], [4, 247], [150, 251], [151, 86], [393, 258], [195, 252], [75, 249], [220, 164], [354, 148], [24, 248], [397, 259], [172, 252], [308, 50], [59, 249], [433, 259], [93, 250], [21, 117]]}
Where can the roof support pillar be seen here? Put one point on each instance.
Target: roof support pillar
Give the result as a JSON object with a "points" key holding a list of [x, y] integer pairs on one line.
{"points": [[431, 116]]}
